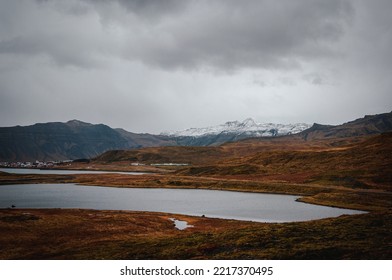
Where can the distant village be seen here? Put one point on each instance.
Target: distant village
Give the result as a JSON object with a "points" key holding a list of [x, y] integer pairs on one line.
{"points": [[35, 164], [51, 164]]}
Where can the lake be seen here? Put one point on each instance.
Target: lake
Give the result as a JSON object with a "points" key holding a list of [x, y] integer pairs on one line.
{"points": [[211, 203], [60, 171]]}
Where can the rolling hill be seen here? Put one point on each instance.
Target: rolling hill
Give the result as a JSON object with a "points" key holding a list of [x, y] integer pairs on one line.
{"points": [[368, 125], [70, 140]]}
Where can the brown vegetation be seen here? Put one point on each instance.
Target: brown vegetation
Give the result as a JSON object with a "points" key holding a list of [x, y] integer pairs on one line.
{"points": [[364, 164], [89, 234], [345, 172]]}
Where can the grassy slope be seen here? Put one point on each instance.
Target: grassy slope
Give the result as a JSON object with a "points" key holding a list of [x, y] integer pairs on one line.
{"points": [[364, 164]]}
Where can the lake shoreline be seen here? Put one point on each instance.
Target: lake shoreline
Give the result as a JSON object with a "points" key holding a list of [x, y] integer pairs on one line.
{"points": [[332, 196], [258, 207]]}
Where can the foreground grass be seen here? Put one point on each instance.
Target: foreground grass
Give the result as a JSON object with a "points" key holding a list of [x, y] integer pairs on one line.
{"points": [[89, 234]]}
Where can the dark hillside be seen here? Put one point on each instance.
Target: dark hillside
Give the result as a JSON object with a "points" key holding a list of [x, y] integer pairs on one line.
{"points": [[70, 140], [368, 125]]}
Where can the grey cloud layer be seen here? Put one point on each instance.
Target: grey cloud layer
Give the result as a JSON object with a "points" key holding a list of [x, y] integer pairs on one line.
{"points": [[153, 65], [241, 34], [169, 34]]}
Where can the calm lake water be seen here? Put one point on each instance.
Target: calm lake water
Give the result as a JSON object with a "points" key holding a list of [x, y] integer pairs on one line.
{"points": [[217, 204], [58, 171]]}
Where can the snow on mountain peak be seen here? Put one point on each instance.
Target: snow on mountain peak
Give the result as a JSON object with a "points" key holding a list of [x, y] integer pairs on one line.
{"points": [[232, 123], [248, 127], [249, 122]]}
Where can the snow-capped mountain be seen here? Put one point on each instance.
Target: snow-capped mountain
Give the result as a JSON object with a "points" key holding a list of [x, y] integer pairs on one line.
{"points": [[248, 128]]}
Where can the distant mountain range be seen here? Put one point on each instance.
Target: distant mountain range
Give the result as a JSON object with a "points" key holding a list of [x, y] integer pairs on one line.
{"points": [[248, 127], [233, 131], [70, 140], [76, 139]]}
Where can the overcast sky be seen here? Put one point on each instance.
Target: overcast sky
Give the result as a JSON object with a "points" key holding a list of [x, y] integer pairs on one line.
{"points": [[158, 65]]}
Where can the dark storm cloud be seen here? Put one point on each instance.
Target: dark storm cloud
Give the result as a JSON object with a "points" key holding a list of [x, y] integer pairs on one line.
{"points": [[30, 29], [239, 34], [170, 34], [149, 8]]}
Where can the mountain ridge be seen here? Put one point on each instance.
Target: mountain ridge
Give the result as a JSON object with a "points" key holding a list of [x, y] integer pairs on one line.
{"points": [[368, 125], [70, 140], [76, 139], [248, 126]]}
